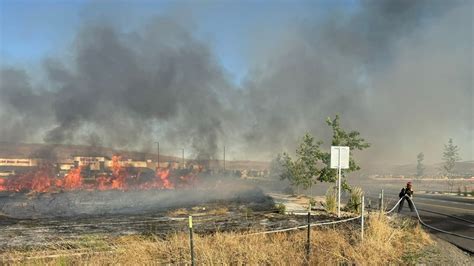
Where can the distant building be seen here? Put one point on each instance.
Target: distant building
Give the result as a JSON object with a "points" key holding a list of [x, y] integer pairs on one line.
{"points": [[12, 166], [18, 162], [94, 163], [7, 173], [130, 163], [65, 166]]}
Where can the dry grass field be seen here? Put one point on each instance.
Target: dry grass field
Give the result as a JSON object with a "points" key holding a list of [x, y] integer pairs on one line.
{"points": [[387, 241]]}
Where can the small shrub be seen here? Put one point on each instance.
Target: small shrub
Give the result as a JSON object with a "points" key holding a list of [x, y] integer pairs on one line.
{"points": [[459, 191], [248, 212], [281, 208], [178, 212], [355, 200], [465, 191], [219, 211], [312, 202], [331, 200]]}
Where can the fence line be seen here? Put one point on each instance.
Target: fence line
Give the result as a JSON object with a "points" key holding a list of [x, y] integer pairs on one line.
{"points": [[302, 226]]}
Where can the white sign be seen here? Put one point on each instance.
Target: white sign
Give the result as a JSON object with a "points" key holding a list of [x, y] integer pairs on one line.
{"points": [[339, 157]]}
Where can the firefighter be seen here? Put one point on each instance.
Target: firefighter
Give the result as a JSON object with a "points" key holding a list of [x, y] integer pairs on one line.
{"points": [[406, 194]]}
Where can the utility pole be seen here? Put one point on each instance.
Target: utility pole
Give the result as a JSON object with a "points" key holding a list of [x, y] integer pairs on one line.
{"points": [[158, 149], [183, 158]]}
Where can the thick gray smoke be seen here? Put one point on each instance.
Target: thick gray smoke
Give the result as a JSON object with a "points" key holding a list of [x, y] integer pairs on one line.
{"points": [[398, 71], [117, 86], [21, 106]]}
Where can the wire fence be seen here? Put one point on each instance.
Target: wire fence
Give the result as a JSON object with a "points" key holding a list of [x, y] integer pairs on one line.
{"points": [[307, 226], [303, 226]]}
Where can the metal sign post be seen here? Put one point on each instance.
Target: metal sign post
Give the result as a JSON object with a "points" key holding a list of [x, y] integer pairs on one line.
{"points": [[362, 218], [191, 242], [339, 160]]}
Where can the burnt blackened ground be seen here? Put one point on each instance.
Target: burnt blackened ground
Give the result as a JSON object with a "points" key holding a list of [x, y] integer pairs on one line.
{"points": [[32, 219], [83, 203], [217, 216]]}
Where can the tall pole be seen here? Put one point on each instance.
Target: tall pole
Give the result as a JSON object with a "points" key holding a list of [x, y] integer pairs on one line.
{"points": [[339, 184], [381, 201], [224, 159], [183, 158], [362, 219], [191, 242], [158, 150], [308, 237]]}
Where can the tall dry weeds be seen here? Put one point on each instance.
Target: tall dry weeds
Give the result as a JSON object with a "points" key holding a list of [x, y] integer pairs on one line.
{"points": [[330, 205], [354, 203]]}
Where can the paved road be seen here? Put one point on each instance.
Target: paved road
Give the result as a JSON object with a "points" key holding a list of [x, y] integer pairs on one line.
{"points": [[442, 212]]}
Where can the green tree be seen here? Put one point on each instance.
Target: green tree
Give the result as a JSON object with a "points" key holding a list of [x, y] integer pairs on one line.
{"points": [[291, 171], [312, 164], [276, 166], [450, 157], [420, 168], [306, 163], [341, 138]]}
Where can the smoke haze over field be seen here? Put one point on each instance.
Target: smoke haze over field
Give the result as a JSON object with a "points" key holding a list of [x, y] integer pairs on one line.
{"points": [[400, 72]]}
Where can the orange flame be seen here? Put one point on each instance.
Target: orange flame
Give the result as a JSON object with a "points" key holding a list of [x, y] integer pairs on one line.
{"points": [[118, 173], [73, 179], [42, 180], [163, 175]]}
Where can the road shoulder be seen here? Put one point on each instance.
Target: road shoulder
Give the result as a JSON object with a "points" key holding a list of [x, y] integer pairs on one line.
{"points": [[442, 252]]}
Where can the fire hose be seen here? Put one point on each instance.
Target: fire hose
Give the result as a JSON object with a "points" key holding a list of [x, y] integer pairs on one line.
{"points": [[425, 224], [391, 210]]}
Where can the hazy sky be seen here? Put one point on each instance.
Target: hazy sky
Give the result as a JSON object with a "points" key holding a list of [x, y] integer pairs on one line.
{"points": [[398, 71]]}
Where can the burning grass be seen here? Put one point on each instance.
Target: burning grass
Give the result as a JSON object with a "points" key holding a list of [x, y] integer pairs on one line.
{"points": [[387, 241], [44, 179], [84, 203]]}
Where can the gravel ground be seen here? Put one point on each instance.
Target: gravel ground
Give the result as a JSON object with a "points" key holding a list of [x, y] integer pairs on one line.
{"points": [[444, 253]]}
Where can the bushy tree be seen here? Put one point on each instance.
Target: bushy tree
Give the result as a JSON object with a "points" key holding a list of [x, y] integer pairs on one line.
{"points": [[341, 138], [450, 157], [305, 164], [293, 171], [420, 168], [276, 166], [312, 164]]}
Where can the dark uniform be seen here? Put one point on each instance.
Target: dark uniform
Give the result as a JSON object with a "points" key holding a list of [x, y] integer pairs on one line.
{"points": [[406, 193]]}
